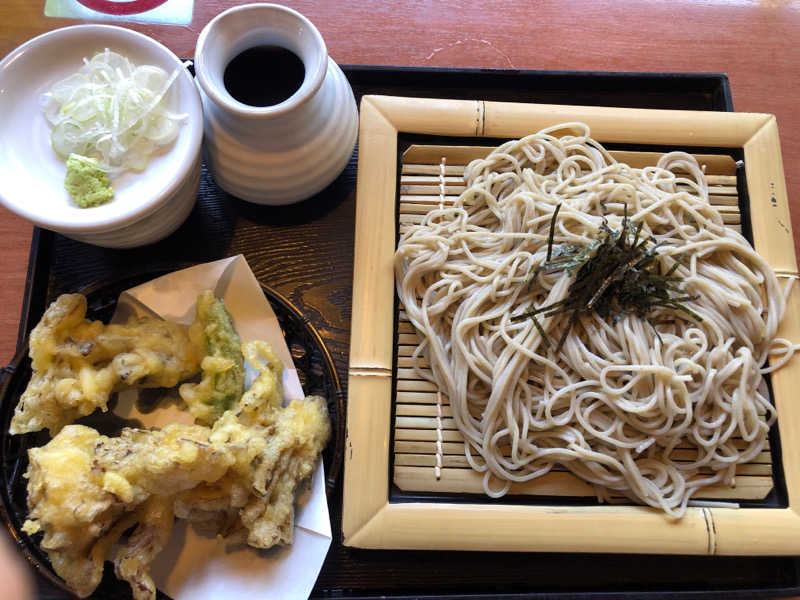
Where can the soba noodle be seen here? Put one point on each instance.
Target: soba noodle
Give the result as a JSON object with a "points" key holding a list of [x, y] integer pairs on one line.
{"points": [[618, 400]]}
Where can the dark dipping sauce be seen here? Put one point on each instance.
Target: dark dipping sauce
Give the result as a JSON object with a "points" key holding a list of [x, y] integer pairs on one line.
{"points": [[264, 75]]}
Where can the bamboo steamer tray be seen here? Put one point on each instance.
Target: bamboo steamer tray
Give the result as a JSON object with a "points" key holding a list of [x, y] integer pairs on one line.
{"points": [[425, 436], [400, 430]]}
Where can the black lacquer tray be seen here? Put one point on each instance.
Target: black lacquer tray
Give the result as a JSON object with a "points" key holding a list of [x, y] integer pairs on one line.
{"points": [[305, 252]]}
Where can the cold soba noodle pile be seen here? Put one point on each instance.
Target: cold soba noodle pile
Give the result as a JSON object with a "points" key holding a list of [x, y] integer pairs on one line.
{"points": [[552, 353]]}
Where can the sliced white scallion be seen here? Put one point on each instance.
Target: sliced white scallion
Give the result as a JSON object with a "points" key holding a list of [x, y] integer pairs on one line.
{"points": [[113, 112]]}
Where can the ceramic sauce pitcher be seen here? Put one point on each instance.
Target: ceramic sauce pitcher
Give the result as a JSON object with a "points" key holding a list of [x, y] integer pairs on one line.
{"points": [[280, 153]]}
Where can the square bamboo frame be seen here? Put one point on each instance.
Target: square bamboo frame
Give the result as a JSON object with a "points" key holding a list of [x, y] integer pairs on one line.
{"points": [[370, 521]]}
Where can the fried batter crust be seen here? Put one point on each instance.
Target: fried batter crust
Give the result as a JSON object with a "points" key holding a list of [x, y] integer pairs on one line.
{"points": [[271, 459], [132, 559], [77, 363], [275, 448], [223, 366], [82, 485]]}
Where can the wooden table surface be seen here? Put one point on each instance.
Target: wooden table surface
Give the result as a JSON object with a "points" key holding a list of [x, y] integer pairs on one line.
{"points": [[753, 42]]}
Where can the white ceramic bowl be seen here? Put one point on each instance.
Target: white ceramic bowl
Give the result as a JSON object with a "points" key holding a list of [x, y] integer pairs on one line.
{"points": [[147, 205], [167, 217]]}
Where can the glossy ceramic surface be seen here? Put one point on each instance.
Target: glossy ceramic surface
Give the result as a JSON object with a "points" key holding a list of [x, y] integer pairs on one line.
{"points": [[166, 218], [32, 174], [283, 153]]}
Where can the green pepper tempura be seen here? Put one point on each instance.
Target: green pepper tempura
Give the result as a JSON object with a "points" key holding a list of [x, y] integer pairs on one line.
{"points": [[223, 366]]}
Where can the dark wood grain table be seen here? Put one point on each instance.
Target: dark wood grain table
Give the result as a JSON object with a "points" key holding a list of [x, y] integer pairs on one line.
{"points": [[306, 251]]}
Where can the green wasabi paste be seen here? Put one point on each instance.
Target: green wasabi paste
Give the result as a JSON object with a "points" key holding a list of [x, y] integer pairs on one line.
{"points": [[88, 185]]}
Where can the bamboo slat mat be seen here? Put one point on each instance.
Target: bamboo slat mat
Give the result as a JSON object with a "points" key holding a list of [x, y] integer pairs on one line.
{"points": [[423, 423]]}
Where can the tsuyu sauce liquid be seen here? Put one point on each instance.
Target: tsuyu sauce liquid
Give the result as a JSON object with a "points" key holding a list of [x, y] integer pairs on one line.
{"points": [[264, 75]]}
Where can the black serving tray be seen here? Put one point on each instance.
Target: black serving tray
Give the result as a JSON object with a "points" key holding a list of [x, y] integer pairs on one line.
{"points": [[305, 252]]}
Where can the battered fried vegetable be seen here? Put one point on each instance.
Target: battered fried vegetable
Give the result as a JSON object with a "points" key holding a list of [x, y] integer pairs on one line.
{"points": [[77, 363], [223, 366], [274, 448], [85, 490], [272, 458], [266, 391], [132, 560]]}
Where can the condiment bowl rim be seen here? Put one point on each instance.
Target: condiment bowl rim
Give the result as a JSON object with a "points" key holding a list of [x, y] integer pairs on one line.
{"points": [[260, 112], [190, 104]]}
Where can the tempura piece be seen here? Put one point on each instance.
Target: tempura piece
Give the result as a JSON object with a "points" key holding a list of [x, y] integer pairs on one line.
{"points": [[223, 366], [132, 560], [272, 458], [83, 486], [301, 430], [266, 391], [77, 363], [67, 501], [275, 448], [245, 431]]}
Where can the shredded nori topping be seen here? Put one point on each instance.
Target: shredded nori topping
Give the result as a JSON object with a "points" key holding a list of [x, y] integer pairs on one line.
{"points": [[618, 273]]}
